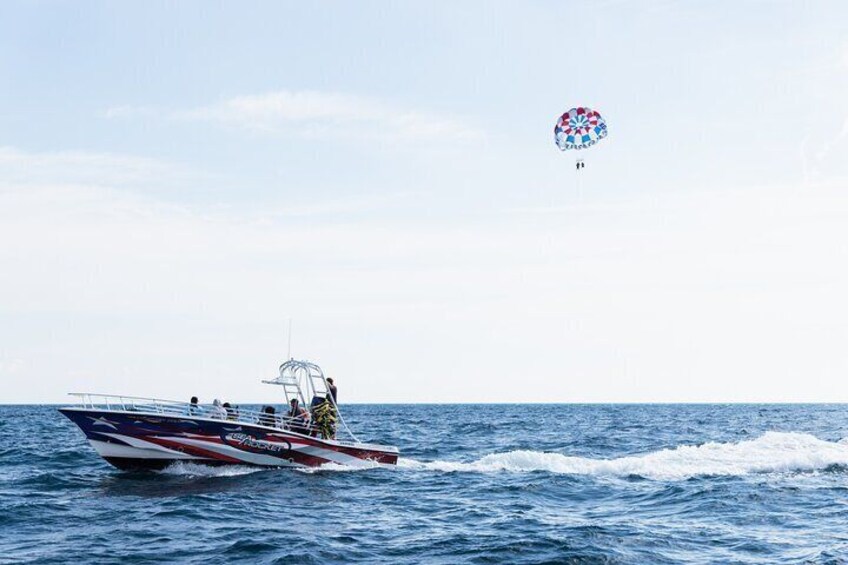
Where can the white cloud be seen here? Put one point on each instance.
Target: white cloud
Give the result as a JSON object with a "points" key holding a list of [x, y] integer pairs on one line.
{"points": [[128, 111], [830, 145], [321, 114], [91, 168], [823, 149], [9, 367]]}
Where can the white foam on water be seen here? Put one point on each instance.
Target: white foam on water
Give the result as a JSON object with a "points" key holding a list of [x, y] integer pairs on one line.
{"points": [[772, 452], [338, 468], [326, 467], [185, 469]]}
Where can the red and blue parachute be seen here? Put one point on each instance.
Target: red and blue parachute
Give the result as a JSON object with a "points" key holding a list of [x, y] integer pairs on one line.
{"points": [[579, 128]]}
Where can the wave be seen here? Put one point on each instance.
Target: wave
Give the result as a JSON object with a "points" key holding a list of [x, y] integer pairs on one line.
{"points": [[773, 452]]}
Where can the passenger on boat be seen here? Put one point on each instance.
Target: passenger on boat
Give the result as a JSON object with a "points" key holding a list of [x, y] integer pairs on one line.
{"points": [[193, 408], [218, 412], [333, 390], [268, 417], [298, 418], [232, 413]]}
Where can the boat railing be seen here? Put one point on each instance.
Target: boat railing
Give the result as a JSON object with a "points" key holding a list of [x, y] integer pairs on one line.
{"points": [[177, 408]]}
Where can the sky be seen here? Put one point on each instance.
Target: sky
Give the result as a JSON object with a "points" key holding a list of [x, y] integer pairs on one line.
{"points": [[179, 180]]}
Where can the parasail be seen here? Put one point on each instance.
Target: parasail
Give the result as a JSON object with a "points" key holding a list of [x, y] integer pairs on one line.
{"points": [[579, 128]]}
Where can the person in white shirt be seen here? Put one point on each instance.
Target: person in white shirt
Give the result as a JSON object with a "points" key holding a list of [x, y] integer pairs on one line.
{"points": [[218, 412]]}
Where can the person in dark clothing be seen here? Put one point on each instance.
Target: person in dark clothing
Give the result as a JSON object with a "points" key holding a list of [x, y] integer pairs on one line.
{"points": [[316, 401], [333, 391], [193, 408], [268, 417], [232, 413], [298, 418]]}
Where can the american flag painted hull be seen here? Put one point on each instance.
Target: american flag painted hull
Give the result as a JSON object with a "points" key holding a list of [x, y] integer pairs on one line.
{"points": [[139, 440]]}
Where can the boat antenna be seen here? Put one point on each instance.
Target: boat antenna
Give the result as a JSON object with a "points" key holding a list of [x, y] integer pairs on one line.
{"points": [[290, 326]]}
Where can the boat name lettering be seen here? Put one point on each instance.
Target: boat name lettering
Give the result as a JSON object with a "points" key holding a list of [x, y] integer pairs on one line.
{"points": [[246, 440]]}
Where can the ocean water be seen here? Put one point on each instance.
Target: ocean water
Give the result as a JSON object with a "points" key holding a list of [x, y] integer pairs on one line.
{"points": [[475, 484]]}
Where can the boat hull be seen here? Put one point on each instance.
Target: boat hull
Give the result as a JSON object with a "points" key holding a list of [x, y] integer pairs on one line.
{"points": [[140, 440]]}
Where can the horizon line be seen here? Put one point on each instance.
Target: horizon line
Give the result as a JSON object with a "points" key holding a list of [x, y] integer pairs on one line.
{"points": [[540, 403]]}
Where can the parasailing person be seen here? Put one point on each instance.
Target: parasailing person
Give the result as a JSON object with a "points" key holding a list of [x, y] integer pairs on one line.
{"points": [[579, 128]]}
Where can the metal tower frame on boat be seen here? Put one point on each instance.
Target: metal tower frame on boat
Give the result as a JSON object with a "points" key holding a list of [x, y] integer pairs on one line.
{"points": [[304, 381]]}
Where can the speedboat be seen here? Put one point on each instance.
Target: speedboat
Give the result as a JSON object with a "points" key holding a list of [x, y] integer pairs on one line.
{"points": [[135, 433]]}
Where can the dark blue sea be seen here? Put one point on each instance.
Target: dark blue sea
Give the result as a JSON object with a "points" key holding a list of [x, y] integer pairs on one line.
{"points": [[476, 484]]}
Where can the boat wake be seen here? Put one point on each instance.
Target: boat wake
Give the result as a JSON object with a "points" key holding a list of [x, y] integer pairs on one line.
{"points": [[773, 452], [337, 468], [185, 469]]}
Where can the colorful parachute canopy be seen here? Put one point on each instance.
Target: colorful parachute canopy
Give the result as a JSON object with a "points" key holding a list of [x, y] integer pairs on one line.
{"points": [[579, 128]]}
